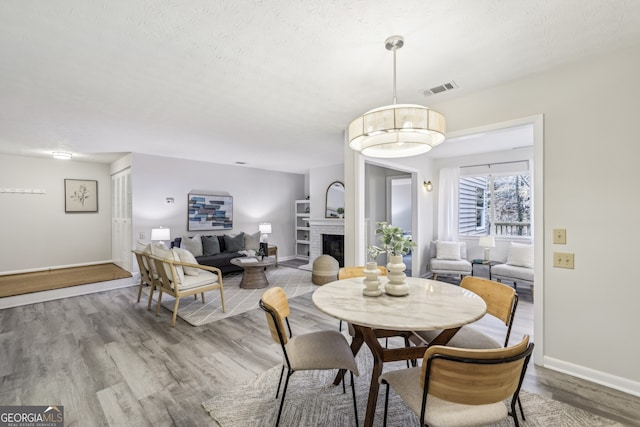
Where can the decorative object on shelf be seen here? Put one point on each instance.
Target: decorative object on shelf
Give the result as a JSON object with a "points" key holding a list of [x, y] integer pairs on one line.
{"points": [[334, 200], [487, 242], [265, 229], [371, 281], [395, 244], [209, 212], [160, 235], [397, 130], [80, 195], [340, 212]]}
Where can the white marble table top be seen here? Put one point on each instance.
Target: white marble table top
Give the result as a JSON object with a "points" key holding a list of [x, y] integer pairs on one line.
{"points": [[430, 305]]}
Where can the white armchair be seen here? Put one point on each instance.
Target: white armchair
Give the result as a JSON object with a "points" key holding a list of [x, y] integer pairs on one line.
{"points": [[449, 258], [518, 268]]}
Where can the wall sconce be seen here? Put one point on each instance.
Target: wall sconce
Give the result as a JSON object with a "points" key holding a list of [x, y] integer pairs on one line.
{"points": [[428, 185]]}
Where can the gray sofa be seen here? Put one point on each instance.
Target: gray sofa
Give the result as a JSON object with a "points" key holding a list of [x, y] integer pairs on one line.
{"points": [[219, 250]]}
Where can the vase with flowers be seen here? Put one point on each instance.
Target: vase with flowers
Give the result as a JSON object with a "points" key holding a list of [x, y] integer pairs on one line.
{"points": [[395, 244]]}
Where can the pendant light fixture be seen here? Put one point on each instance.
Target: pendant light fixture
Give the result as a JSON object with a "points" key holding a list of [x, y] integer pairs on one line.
{"points": [[398, 130]]}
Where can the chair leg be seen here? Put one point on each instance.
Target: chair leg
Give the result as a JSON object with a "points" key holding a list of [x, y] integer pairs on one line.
{"points": [[521, 410], [340, 326], [175, 311], [435, 276], [202, 294], [140, 290], [153, 288], [386, 405], [284, 393], [280, 381], [159, 301], [353, 392]]}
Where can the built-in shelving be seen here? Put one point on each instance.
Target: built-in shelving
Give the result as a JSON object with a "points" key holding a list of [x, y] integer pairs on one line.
{"points": [[302, 232]]}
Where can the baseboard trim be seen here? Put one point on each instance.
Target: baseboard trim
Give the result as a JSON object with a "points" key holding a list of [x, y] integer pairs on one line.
{"points": [[71, 291], [55, 267], [622, 384]]}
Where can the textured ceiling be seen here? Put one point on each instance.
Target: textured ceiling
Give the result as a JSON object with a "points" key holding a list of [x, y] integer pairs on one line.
{"points": [[271, 83]]}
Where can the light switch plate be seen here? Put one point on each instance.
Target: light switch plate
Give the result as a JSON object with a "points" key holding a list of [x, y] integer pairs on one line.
{"points": [[563, 259], [560, 236]]}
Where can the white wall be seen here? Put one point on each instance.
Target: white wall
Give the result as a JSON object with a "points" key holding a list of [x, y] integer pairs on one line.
{"points": [[258, 196], [591, 181], [37, 230]]}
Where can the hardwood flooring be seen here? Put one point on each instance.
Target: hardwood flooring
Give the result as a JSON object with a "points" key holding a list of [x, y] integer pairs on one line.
{"points": [[111, 362]]}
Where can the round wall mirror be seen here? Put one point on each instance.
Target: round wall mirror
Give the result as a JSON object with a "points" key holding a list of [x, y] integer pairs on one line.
{"points": [[334, 202]]}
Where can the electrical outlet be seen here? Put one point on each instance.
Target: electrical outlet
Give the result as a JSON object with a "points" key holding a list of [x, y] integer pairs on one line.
{"points": [[141, 235], [560, 236], [563, 259]]}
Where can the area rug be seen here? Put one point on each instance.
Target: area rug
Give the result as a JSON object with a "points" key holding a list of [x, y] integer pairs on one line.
{"points": [[312, 401], [237, 300]]}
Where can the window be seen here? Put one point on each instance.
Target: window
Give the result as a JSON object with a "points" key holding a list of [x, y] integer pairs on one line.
{"points": [[498, 205]]}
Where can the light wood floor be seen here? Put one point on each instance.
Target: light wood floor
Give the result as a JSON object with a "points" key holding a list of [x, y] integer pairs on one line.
{"points": [[111, 362]]}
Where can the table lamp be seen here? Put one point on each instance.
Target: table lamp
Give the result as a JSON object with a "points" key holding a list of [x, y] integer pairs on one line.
{"points": [[160, 234], [487, 242], [265, 229]]}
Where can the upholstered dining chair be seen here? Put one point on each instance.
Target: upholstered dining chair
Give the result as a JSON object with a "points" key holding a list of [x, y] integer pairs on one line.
{"points": [[174, 281], [311, 351], [147, 274], [462, 387], [501, 300]]}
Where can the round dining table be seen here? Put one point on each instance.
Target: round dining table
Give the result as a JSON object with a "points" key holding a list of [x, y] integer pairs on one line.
{"points": [[430, 305]]}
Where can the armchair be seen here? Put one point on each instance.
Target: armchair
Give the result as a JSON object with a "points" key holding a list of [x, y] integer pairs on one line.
{"points": [[449, 258], [180, 279]]}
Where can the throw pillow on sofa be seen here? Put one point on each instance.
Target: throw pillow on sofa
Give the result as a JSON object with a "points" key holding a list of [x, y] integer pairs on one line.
{"points": [[192, 244], [252, 241], [234, 243], [520, 255], [210, 245]]}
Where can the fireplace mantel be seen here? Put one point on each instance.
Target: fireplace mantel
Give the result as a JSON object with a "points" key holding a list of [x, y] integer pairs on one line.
{"points": [[339, 222]]}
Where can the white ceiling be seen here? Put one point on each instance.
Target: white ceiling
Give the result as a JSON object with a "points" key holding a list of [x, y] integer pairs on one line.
{"points": [[271, 83]]}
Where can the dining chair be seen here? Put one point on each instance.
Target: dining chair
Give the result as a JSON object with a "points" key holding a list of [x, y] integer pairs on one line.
{"points": [[462, 387], [501, 300], [147, 274], [355, 271], [312, 351], [173, 280]]}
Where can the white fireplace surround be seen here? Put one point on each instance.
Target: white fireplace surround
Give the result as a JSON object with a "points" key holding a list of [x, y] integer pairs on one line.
{"points": [[320, 226]]}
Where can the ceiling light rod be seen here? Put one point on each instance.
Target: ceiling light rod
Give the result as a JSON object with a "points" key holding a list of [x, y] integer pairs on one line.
{"points": [[397, 130], [394, 43]]}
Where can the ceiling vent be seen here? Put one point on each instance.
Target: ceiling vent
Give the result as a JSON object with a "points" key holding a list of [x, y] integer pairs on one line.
{"points": [[441, 88]]}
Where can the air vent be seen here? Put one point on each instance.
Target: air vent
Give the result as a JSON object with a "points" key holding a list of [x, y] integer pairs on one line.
{"points": [[441, 88]]}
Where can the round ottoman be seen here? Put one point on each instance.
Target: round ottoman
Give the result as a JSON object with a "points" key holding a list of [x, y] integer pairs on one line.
{"points": [[325, 270]]}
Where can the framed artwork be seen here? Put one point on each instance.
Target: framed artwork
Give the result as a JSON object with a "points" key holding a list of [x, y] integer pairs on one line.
{"points": [[80, 195], [209, 212]]}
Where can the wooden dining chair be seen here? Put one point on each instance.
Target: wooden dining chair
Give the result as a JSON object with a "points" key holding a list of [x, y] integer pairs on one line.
{"points": [[311, 351], [501, 300], [462, 387]]}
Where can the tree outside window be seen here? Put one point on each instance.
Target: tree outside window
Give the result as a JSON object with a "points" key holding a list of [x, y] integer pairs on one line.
{"points": [[497, 205]]}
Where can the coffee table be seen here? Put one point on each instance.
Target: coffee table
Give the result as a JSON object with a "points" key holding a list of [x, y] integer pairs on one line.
{"points": [[253, 276]]}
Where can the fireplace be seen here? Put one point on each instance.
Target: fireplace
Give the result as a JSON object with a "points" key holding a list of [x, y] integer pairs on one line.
{"points": [[333, 244]]}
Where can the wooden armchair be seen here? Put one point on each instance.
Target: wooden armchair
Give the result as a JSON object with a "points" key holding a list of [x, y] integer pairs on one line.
{"points": [[147, 274], [175, 282]]}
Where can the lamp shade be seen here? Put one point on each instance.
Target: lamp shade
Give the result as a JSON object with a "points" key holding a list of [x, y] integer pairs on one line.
{"points": [[487, 242], [160, 234], [265, 228], [398, 130]]}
